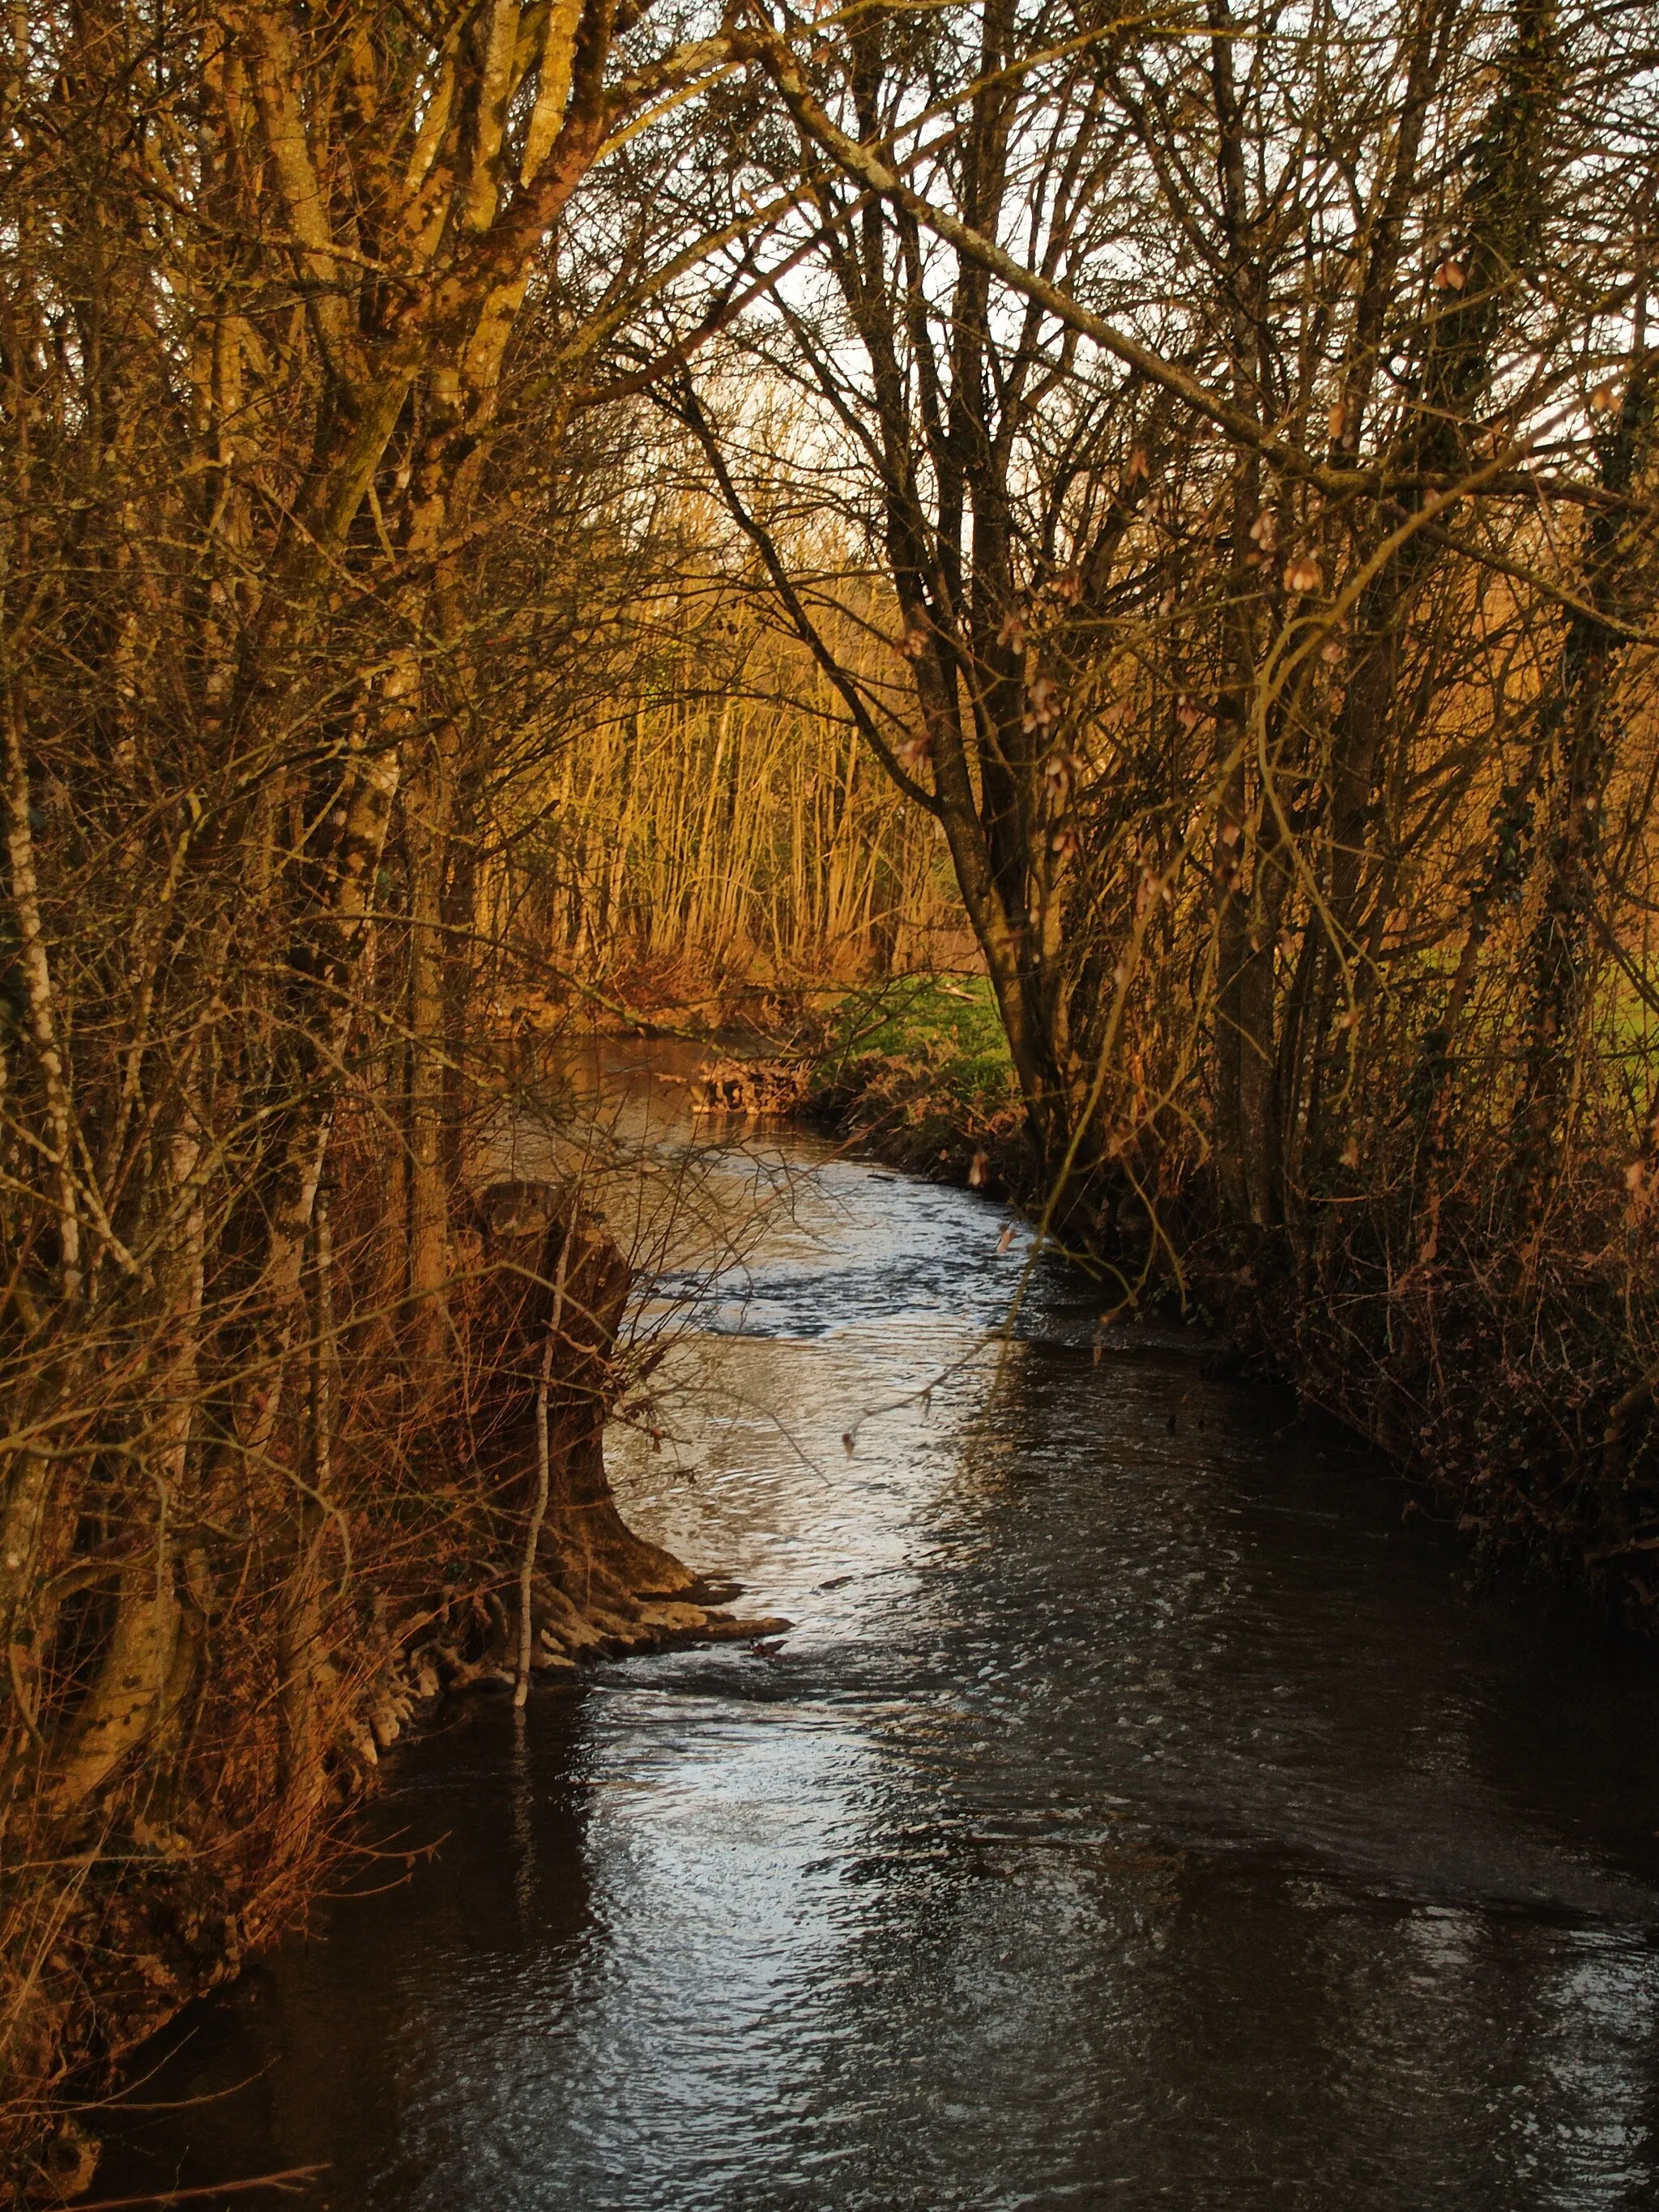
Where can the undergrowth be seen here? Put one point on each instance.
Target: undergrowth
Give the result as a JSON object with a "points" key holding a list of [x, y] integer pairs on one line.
{"points": [[918, 1067]]}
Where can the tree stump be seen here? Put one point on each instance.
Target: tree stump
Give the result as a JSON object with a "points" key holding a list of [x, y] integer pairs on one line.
{"points": [[552, 1271]]}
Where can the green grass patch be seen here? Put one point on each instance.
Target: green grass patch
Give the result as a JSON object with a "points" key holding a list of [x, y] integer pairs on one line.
{"points": [[945, 1028]]}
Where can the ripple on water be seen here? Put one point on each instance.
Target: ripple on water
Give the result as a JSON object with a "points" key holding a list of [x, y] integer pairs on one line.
{"points": [[1137, 1817]]}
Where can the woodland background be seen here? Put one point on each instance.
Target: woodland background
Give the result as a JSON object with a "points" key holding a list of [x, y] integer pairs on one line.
{"points": [[514, 514]]}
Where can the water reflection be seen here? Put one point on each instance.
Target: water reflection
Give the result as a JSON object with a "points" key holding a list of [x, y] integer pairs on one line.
{"points": [[1139, 1815]]}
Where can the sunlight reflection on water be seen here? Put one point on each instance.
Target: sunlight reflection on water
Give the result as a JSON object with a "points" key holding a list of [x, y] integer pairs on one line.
{"points": [[1139, 1815]]}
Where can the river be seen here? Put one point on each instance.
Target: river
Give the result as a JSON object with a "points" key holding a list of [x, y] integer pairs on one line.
{"points": [[1142, 1812]]}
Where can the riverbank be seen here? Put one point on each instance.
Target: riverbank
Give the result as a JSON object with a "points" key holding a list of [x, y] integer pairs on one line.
{"points": [[1538, 1444], [919, 1074], [505, 1558], [1138, 1796]]}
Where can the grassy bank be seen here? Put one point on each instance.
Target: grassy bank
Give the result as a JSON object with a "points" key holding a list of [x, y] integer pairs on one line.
{"points": [[918, 1068]]}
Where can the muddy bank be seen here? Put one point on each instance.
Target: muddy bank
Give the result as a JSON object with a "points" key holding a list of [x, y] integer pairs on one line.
{"points": [[887, 1107], [515, 1561]]}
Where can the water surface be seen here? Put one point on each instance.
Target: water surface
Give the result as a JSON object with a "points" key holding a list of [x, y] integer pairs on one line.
{"points": [[1141, 1813]]}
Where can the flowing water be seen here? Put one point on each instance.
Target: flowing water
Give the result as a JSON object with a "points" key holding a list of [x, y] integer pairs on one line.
{"points": [[1141, 1812]]}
